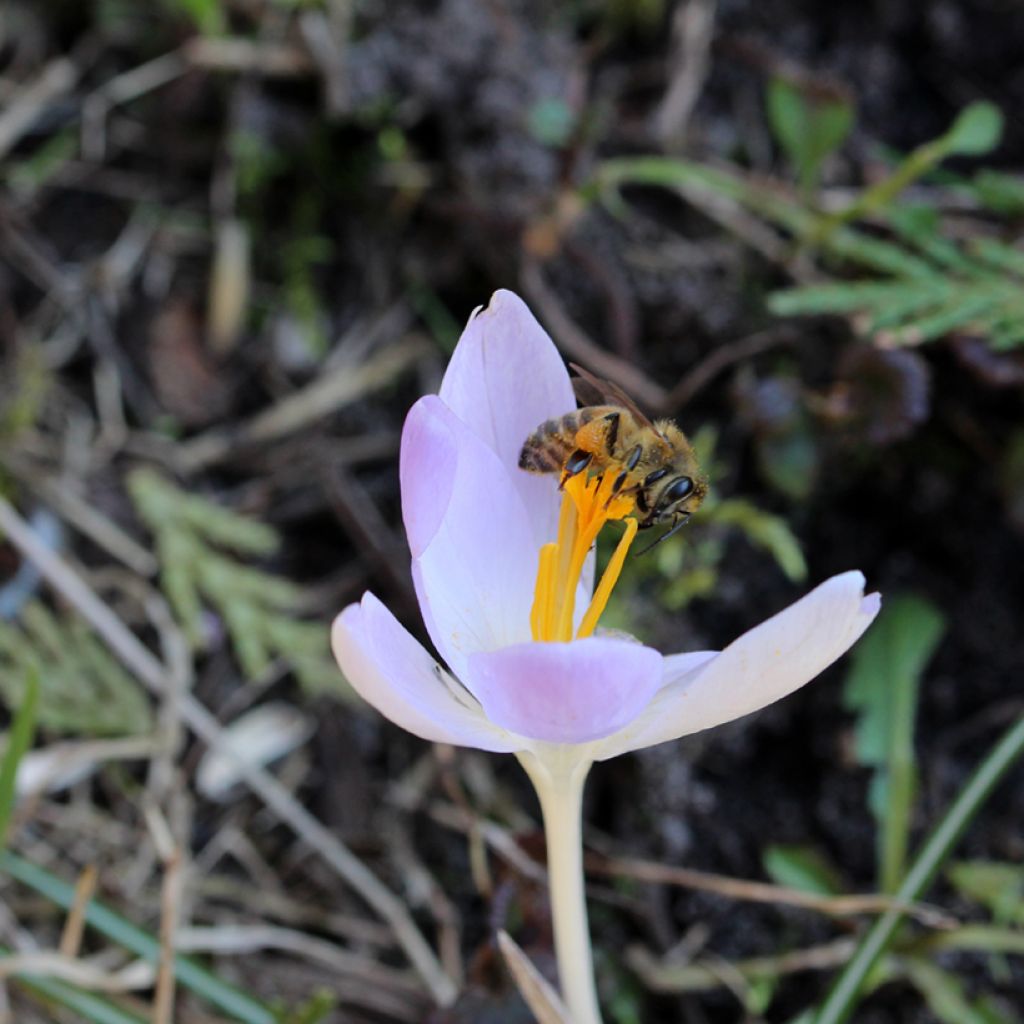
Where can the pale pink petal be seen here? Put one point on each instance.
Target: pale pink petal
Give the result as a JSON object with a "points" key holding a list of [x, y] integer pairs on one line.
{"points": [[389, 669], [565, 693], [504, 380], [475, 564], [766, 663], [427, 466]]}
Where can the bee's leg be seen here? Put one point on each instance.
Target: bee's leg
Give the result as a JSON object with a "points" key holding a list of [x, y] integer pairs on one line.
{"points": [[612, 419], [631, 461], [618, 485], [576, 463]]}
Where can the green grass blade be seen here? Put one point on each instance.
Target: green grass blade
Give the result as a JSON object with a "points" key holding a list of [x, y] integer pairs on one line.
{"points": [[190, 974], [845, 992], [18, 742]]}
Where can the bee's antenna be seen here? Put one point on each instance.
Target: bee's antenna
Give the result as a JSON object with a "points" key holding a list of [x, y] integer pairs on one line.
{"points": [[675, 528]]}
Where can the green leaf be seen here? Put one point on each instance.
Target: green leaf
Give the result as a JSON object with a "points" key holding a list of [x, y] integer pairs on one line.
{"points": [[764, 530], [809, 124], [802, 867], [995, 884], [845, 991], [207, 15], [882, 688], [1001, 193], [313, 1011], [918, 310], [976, 131], [19, 740], [188, 972], [944, 993]]}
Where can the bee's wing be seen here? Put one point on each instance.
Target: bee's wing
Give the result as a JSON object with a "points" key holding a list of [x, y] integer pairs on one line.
{"points": [[586, 393], [591, 390]]}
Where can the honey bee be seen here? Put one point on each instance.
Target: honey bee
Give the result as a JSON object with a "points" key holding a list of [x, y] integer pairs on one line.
{"points": [[653, 461]]}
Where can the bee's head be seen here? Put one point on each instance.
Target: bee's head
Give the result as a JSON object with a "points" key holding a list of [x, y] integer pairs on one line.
{"points": [[675, 496]]}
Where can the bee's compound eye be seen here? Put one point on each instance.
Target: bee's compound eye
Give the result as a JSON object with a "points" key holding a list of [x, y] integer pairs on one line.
{"points": [[677, 490]]}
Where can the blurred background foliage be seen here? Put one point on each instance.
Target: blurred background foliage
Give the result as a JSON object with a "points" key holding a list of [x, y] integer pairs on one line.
{"points": [[239, 237]]}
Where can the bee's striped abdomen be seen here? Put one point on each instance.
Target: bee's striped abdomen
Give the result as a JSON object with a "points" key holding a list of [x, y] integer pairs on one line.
{"points": [[550, 445]]}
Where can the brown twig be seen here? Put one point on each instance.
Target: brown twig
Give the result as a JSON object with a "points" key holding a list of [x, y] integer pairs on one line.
{"points": [[323, 396], [692, 31], [535, 989], [274, 60], [88, 520], [74, 926], [722, 357], [371, 533], [762, 892], [326, 36], [170, 900], [621, 303], [571, 337], [124, 88], [24, 109], [246, 939], [669, 978], [418, 878], [135, 976], [497, 838]]}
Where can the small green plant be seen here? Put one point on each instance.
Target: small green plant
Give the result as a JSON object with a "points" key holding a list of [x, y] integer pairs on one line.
{"points": [[207, 15], [915, 285], [82, 689], [201, 547], [940, 286], [998, 886], [810, 122], [882, 688]]}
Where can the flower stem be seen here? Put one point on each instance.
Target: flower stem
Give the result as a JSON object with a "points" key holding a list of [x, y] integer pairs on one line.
{"points": [[559, 782]]}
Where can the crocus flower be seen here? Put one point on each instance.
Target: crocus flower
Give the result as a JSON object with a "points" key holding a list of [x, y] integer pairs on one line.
{"points": [[503, 573]]}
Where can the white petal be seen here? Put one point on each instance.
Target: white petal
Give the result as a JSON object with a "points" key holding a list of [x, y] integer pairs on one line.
{"points": [[762, 666], [389, 669], [475, 563], [504, 380]]}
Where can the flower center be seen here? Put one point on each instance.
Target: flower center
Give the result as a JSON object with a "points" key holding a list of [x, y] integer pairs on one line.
{"points": [[587, 504]]}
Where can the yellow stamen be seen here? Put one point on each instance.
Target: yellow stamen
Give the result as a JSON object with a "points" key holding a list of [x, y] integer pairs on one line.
{"points": [[568, 534], [544, 592], [588, 503], [608, 581]]}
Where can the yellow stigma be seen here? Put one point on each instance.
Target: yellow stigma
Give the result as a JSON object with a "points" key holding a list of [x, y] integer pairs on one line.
{"points": [[587, 504]]}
